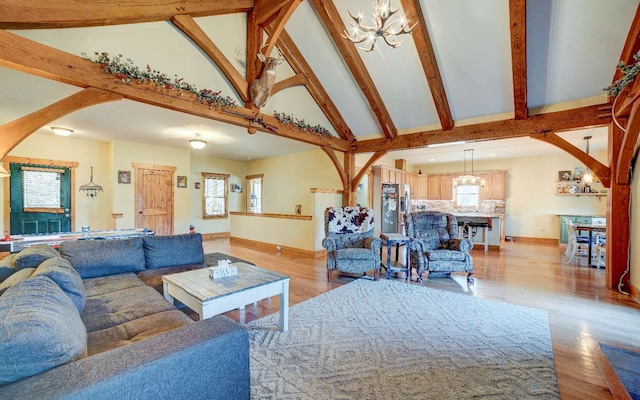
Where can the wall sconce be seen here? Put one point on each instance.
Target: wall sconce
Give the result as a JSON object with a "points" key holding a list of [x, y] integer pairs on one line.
{"points": [[61, 131], [197, 143]]}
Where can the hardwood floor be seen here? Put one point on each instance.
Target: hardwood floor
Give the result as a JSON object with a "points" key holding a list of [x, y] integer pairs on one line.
{"points": [[582, 311]]}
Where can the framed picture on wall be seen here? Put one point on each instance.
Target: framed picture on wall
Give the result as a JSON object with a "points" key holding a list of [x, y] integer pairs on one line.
{"points": [[197, 185], [182, 181], [124, 176], [236, 188], [564, 175]]}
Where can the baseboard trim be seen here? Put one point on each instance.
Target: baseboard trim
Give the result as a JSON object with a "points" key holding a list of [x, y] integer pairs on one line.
{"points": [[216, 235], [525, 239], [271, 248]]}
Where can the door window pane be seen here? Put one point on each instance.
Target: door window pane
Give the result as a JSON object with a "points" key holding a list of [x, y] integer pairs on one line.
{"points": [[41, 189]]}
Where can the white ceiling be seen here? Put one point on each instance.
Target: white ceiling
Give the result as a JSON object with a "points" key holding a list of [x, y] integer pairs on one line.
{"points": [[573, 47]]}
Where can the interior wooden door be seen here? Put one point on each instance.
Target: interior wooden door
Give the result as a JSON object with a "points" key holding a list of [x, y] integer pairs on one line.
{"points": [[154, 197]]}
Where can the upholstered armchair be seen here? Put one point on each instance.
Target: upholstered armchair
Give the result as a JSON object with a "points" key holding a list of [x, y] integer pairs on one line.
{"points": [[435, 248], [351, 247]]}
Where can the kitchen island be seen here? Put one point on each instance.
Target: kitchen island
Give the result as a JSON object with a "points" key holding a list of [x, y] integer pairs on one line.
{"points": [[494, 232]]}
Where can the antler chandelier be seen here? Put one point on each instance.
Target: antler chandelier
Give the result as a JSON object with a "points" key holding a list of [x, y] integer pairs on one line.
{"points": [[370, 34]]}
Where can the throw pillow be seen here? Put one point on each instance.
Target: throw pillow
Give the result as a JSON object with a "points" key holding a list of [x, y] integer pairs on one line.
{"points": [[173, 250], [62, 273], [40, 329], [32, 256], [95, 258], [19, 276], [6, 267]]}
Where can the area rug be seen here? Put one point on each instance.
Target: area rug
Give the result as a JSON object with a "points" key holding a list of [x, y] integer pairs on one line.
{"points": [[626, 364], [394, 340]]}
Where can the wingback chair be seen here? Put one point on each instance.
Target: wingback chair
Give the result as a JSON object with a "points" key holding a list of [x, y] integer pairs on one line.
{"points": [[435, 247], [351, 247]]}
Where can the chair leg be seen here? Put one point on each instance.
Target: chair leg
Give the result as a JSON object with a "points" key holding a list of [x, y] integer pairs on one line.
{"points": [[423, 277], [329, 275], [376, 274], [469, 278]]}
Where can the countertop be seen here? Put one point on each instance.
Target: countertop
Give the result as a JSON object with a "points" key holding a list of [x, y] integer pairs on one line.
{"points": [[478, 214]]}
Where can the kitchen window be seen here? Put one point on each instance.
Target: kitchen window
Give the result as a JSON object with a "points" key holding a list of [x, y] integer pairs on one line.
{"points": [[468, 196]]}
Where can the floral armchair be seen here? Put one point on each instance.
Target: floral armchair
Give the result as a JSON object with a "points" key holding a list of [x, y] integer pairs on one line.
{"points": [[351, 247], [435, 248]]}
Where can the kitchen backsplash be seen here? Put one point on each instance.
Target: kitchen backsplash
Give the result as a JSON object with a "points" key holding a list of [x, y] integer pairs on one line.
{"points": [[491, 206]]}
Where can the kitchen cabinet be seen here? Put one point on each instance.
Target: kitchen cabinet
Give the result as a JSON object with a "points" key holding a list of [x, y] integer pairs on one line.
{"points": [[421, 188], [440, 187], [495, 185]]}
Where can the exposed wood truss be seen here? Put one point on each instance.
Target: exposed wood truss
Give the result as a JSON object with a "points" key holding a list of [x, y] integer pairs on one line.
{"points": [[37, 59], [375, 157], [518, 21], [331, 18], [542, 123], [600, 170], [15, 131], [413, 12], [30, 14]]}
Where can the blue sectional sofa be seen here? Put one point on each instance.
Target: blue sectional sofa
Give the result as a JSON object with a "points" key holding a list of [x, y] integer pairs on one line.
{"points": [[90, 322]]}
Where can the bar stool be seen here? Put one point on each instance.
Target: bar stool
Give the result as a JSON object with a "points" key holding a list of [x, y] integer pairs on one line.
{"points": [[469, 229]]}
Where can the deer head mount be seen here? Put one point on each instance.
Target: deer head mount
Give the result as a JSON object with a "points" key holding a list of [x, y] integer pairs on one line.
{"points": [[260, 88]]}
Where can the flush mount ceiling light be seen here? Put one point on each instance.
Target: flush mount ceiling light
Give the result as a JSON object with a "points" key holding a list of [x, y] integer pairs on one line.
{"points": [[370, 34], [61, 131], [468, 180], [197, 143]]}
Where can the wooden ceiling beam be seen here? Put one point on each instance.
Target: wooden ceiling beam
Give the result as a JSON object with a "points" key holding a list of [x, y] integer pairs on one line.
{"points": [[267, 10], [336, 163], [296, 80], [333, 23], [518, 29], [413, 12], [14, 132], [559, 121], [37, 59], [628, 147], [375, 157], [600, 170], [38, 14], [191, 28], [277, 27], [300, 66]]}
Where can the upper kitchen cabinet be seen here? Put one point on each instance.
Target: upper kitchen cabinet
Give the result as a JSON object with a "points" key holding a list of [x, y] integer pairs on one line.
{"points": [[495, 187], [440, 187], [422, 187]]}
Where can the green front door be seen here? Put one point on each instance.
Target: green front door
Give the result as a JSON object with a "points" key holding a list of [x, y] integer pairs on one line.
{"points": [[40, 199]]}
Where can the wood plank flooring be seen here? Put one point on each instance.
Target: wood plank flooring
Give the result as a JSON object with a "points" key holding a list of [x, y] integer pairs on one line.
{"points": [[582, 311]]}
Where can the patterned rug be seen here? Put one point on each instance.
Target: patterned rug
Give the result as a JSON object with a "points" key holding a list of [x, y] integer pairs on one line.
{"points": [[626, 364], [393, 340]]}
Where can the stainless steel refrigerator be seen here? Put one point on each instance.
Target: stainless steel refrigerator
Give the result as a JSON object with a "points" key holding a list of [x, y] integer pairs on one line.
{"points": [[396, 200]]}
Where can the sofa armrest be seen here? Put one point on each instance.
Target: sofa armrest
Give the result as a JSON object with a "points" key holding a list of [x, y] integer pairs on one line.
{"points": [[208, 359], [373, 243], [464, 245], [329, 243]]}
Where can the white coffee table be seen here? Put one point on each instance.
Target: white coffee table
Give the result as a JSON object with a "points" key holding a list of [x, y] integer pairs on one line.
{"points": [[210, 297]]}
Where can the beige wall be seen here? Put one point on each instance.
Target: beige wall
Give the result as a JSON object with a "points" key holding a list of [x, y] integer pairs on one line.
{"points": [[237, 172], [532, 207], [88, 153], [288, 180]]}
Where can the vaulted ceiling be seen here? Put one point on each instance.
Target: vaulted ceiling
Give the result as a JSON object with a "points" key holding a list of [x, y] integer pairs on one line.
{"points": [[471, 70]]}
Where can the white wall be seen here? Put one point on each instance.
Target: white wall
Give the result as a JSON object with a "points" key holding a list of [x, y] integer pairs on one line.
{"points": [[532, 208]]}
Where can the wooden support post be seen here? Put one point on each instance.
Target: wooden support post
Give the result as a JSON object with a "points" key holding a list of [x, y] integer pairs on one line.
{"points": [[618, 223], [349, 194]]}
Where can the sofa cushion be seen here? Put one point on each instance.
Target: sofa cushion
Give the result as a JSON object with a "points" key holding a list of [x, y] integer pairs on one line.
{"points": [[19, 276], [135, 330], [32, 256], [173, 250], [6, 267], [93, 258], [62, 273], [40, 329], [111, 283], [354, 254], [114, 308]]}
